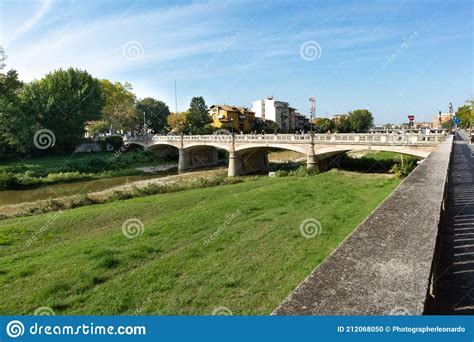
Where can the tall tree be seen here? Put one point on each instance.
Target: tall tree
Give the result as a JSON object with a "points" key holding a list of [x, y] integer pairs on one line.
{"points": [[342, 125], [62, 102], [466, 115], [198, 116], [361, 120], [178, 122], [323, 125], [156, 113], [119, 110], [14, 124]]}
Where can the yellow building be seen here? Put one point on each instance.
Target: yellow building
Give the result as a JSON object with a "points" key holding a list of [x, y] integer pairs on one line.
{"points": [[226, 117]]}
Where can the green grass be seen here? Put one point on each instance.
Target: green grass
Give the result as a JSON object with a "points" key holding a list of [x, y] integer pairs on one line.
{"points": [[81, 263]]}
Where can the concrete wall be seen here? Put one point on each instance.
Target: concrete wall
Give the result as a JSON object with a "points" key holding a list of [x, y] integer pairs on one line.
{"points": [[385, 266]]}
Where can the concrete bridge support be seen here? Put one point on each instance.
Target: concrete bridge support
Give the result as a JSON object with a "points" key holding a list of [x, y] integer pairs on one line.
{"points": [[197, 157], [312, 162], [242, 163]]}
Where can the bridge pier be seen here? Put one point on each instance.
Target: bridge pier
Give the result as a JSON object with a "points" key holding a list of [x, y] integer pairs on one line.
{"points": [[312, 162], [235, 164], [195, 158], [183, 160]]}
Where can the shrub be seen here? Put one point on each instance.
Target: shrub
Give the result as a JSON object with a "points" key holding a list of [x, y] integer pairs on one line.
{"points": [[403, 169], [115, 141], [302, 171], [7, 181]]}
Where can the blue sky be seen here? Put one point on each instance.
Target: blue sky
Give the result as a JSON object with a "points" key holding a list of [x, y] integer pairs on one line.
{"points": [[391, 57]]}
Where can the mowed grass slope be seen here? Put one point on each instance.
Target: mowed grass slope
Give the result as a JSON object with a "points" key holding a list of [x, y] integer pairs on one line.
{"points": [[83, 264]]}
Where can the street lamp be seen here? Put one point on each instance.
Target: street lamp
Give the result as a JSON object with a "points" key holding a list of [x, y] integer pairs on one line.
{"points": [[190, 129], [232, 125], [450, 114]]}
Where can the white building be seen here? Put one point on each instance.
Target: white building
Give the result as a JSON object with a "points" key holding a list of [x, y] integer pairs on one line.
{"points": [[270, 109]]}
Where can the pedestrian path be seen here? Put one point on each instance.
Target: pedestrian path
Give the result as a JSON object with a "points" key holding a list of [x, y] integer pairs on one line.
{"points": [[454, 278]]}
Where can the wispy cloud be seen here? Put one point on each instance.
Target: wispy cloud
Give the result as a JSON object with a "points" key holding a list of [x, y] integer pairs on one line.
{"points": [[31, 22]]}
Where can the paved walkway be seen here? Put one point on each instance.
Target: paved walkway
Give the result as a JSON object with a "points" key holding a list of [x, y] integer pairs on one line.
{"points": [[455, 275]]}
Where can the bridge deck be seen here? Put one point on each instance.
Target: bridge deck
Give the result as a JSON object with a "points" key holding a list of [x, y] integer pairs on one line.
{"points": [[384, 266]]}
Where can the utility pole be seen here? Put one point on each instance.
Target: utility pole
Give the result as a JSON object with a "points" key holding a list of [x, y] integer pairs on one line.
{"points": [[175, 98]]}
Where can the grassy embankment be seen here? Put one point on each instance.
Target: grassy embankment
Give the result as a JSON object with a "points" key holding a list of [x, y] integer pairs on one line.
{"points": [[79, 262], [29, 173]]}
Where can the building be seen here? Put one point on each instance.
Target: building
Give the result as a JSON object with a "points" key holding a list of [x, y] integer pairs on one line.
{"points": [[298, 122], [422, 125], [273, 110], [240, 119], [442, 118], [338, 117]]}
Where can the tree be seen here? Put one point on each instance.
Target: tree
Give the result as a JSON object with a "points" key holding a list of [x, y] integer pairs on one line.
{"points": [[466, 115], [156, 113], [62, 102], [198, 116], [361, 120], [178, 122], [323, 125], [119, 110], [342, 125], [14, 124]]}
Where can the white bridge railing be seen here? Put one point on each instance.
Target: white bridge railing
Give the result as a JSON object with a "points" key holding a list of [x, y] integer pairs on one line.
{"points": [[342, 138]]}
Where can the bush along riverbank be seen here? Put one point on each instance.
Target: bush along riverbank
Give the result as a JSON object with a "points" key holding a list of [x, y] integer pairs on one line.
{"points": [[31, 173]]}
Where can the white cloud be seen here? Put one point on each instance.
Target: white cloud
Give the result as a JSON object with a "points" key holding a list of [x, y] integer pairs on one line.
{"points": [[31, 22]]}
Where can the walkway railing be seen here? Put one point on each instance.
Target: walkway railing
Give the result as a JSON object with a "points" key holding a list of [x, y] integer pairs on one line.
{"points": [[337, 138]]}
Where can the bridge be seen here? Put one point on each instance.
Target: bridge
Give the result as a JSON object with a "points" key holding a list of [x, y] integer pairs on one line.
{"points": [[249, 153]]}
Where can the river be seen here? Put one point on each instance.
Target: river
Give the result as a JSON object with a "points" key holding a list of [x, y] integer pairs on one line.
{"points": [[67, 189]]}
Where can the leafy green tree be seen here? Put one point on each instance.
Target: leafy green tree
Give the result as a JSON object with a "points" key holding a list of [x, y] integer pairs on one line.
{"points": [[466, 115], [62, 102], [342, 125], [361, 120], [14, 124], [119, 110], [322, 125], [156, 113], [178, 122], [198, 116]]}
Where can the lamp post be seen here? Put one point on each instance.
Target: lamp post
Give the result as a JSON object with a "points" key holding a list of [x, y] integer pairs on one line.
{"points": [[232, 126], [312, 114], [450, 114]]}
